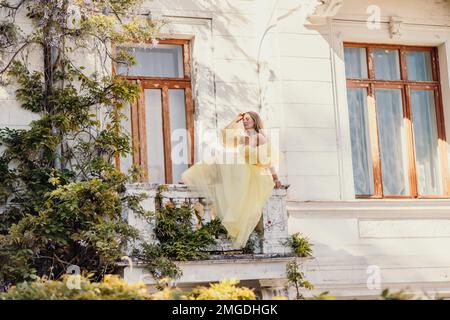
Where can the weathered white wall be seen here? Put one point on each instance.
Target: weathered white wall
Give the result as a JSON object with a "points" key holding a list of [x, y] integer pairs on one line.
{"points": [[302, 68], [404, 241]]}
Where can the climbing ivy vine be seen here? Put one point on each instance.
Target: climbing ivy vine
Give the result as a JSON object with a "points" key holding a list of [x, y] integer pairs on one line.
{"points": [[61, 195]]}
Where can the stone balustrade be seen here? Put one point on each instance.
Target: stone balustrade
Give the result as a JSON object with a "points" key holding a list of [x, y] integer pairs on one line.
{"points": [[268, 240]]}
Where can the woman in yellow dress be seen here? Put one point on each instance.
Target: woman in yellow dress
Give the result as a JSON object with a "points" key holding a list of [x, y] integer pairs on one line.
{"points": [[240, 180]]}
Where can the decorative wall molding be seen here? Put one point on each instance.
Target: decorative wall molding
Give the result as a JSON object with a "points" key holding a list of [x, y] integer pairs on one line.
{"points": [[395, 27]]}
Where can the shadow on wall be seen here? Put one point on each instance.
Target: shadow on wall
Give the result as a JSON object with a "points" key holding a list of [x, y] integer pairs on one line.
{"points": [[236, 89]]}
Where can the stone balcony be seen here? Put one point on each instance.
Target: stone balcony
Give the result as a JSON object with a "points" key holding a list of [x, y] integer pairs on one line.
{"points": [[263, 270]]}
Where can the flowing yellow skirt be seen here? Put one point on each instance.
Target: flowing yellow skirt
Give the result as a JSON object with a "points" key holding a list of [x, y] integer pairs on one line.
{"points": [[238, 191]]}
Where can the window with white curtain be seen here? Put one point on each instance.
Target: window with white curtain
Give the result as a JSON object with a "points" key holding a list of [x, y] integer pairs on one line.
{"points": [[162, 61], [162, 118], [396, 126]]}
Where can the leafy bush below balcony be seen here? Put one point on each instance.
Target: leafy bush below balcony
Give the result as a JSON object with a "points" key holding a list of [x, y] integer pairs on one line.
{"points": [[112, 287]]}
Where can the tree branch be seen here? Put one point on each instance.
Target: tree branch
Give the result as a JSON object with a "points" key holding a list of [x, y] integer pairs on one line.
{"points": [[4, 4], [15, 54]]}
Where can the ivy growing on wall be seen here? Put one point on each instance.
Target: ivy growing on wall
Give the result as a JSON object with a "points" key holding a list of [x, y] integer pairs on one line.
{"points": [[61, 195]]}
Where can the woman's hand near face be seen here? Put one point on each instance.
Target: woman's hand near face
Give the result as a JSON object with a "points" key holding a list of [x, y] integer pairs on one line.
{"points": [[239, 117]]}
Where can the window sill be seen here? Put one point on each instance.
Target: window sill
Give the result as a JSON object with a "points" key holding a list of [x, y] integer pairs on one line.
{"points": [[403, 208]]}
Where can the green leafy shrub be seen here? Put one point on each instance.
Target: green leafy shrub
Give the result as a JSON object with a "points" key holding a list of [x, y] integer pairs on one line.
{"points": [[325, 295], [297, 278], [224, 290], [112, 287], [300, 245], [76, 224], [386, 294], [178, 240], [62, 194]]}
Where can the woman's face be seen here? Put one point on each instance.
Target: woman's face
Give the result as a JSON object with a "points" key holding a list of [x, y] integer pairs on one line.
{"points": [[249, 123]]}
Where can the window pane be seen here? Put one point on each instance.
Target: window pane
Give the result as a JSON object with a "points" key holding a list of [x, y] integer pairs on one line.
{"points": [[392, 142], [155, 143], [165, 60], [359, 134], [387, 66], [426, 142], [179, 135], [355, 63], [419, 65]]}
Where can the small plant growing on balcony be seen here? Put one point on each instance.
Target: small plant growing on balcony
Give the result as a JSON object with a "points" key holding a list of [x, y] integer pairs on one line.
{"points": [[300, 245], [297, 279]]}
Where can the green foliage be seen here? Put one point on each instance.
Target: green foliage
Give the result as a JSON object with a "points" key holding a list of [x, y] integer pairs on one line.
{"points": [[9, 32], [82, 22], [76, 224], [251, 244], [386, 294], [301, 248], [113, 287], [63, 196], [177, 240], [325, 295], [297, 278], [224, 290], [300, 245], [77, 288]]}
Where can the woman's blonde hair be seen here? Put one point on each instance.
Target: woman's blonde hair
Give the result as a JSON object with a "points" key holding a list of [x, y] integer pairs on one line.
{"points": [[257, 119]]}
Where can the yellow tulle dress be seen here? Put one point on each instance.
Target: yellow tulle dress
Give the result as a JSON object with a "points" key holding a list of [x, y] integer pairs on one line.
{"points": [[238, 182]]}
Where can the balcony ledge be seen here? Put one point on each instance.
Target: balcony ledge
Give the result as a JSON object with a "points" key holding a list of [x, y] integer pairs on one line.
{"points": [[242, 267]]}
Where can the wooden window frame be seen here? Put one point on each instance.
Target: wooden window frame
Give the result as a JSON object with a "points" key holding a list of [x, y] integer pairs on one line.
{"points": [[138, 114], [405, 86]]}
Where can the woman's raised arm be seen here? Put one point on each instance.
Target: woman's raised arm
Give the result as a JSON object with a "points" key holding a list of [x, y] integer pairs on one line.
{"points": [[230, 133]]}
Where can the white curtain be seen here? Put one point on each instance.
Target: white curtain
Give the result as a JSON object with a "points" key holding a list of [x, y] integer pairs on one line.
{"points": [[426, 142], [355, 63], [155, 143], [179, 136], [166, 60], [359, 134], [387, 66], [392, 142], [419, 65]]}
